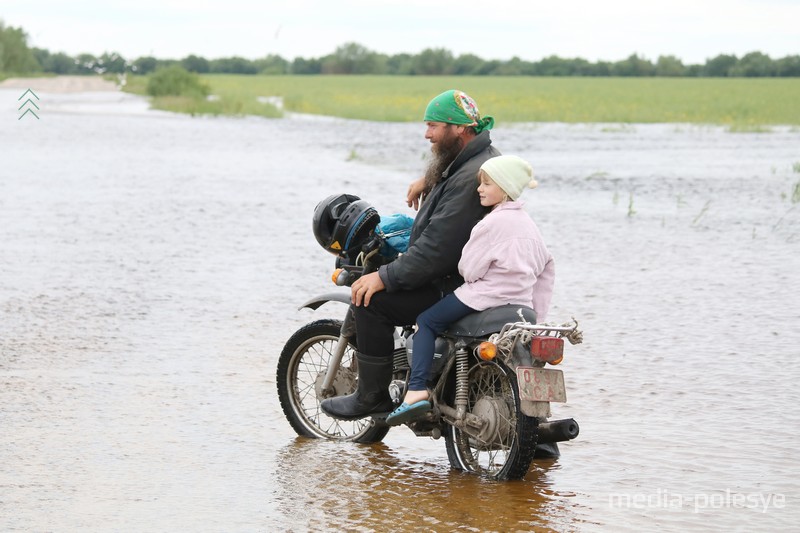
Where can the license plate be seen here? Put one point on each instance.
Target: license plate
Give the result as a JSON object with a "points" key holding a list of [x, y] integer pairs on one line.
{"points": [[541, 384]]}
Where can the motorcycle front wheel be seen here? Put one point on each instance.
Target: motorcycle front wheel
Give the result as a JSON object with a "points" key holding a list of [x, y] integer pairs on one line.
{"points": [[505, 446], [301, 369]]}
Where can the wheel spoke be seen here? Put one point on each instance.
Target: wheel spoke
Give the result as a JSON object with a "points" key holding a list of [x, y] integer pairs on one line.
{"points": [[308, 366], [488, 383]]}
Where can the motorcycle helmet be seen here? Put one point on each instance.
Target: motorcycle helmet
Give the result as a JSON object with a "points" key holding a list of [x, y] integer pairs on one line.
{"points": [[343, 222]]}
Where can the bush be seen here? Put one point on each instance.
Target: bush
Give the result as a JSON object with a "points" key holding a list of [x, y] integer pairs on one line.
{"points": [[176, 81]]}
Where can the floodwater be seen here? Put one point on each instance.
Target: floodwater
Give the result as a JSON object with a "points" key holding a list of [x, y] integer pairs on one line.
{"points": [[152, 265]]}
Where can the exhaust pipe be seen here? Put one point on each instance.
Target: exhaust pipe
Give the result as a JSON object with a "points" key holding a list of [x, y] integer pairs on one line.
{"points": [[557, 430]]}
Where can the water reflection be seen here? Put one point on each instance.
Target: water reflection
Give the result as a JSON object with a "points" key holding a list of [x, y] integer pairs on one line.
{"points": [[344, 486]]}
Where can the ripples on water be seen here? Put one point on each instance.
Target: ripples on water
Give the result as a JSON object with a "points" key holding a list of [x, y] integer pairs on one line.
{"points": [[151, 267]]}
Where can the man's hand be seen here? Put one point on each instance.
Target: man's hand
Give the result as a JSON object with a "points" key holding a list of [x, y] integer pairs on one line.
{"points": [[364, 287], [414, 194]]}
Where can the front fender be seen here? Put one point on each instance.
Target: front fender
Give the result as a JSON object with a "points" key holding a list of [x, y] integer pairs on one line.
{"points": [[317, 301], [349, 326]]}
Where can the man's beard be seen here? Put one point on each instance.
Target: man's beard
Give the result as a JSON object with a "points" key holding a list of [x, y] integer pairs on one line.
{"points": [[444, 152]]}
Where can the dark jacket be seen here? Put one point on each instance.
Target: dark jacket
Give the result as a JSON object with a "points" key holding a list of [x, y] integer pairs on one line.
{"points": [[443, 224]]}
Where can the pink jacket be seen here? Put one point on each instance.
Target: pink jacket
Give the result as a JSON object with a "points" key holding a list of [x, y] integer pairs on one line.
{"points": [[506, 261]]}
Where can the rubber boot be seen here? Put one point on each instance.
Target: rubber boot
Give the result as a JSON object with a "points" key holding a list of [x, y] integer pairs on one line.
{"points": [[371, 396]]}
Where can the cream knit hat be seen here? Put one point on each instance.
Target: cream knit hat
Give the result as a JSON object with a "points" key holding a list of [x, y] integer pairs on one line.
{"points": [[510, 173]]}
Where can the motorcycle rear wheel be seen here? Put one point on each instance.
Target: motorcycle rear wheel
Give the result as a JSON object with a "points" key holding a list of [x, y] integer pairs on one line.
{"points": [[507, 444], [302, 364]]}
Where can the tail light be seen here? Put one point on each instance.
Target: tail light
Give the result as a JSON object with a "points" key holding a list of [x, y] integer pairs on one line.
{"points": [[547, 349]]}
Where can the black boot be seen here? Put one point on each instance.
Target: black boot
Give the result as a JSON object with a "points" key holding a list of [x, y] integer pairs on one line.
{"points": [[371, 396]]}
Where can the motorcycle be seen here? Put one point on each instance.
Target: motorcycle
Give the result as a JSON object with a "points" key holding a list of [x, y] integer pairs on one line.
{"points": [[492, 384]]}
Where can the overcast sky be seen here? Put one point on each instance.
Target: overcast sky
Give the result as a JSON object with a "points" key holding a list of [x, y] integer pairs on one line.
{"points": [[692, 30]]}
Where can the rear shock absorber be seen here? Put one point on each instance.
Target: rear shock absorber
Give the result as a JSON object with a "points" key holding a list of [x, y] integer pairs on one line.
{"points": [[462, 385]]}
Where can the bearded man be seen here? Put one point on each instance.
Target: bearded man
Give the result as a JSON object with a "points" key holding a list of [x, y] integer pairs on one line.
{"points": [[397, 293]]}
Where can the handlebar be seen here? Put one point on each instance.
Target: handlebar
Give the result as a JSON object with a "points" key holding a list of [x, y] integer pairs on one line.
{"points": [[351, 267], [346, 275]]}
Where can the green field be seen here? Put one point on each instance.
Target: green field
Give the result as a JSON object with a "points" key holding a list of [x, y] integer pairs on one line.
{"points": [[740, 103]]}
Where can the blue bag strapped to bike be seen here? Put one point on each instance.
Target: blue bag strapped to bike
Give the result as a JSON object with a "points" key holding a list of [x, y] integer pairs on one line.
{"points": [[395, 231]]}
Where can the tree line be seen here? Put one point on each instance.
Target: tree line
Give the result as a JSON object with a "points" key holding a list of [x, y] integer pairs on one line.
{"points": [[353, 58]]}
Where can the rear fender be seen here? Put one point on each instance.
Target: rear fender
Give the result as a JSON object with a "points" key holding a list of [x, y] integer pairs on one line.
{"points": [[540, 410]]}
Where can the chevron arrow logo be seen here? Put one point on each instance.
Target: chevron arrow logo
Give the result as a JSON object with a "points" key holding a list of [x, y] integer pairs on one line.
{"points": [[27, 104]]}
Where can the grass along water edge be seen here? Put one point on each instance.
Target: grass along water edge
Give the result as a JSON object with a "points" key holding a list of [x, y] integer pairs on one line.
{"points": [[741, 104]]}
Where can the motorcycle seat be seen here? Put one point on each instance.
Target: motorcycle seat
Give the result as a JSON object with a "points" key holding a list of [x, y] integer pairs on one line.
{"points": [[490, 321]]}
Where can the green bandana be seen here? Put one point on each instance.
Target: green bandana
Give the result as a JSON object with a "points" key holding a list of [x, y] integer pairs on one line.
{"points": [[456, 107]]}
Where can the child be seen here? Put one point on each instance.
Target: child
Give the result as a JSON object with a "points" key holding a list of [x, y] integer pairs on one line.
{"points": [[505, 261]]}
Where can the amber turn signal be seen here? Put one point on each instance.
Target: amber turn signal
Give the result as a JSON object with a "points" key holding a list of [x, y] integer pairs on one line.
{"points": [[335, 275], [487, 351]]}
